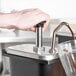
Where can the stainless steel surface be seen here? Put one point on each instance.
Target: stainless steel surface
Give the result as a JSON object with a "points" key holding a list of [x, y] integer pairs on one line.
{"points": [[39, 36], [39, 50], [52, 50], [39, 43], [26, 50], [15, 39], [1, 60], [67, 55], [6, 67], [4, 62]]}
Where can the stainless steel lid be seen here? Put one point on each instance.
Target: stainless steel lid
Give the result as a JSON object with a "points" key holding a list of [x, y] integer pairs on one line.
{"points": [[26, 50]]}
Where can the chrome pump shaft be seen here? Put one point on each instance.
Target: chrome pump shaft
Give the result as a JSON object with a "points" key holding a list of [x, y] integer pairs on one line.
{"points": [[39, 42]]}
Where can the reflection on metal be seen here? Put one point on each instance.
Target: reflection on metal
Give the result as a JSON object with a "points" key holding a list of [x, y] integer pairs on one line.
{"points": [[6, 67], [1, 59], [4, 63]]}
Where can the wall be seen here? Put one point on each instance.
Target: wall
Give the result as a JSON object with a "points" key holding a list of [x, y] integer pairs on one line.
{"points": [[56, 8], [0, 5]]}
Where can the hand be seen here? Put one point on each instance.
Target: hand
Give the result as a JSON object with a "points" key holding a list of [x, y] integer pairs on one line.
{"points": [[27, 19]]}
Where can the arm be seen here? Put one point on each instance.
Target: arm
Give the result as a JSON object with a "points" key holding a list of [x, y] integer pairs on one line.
{"points": [[23, 20], [6, 20]]}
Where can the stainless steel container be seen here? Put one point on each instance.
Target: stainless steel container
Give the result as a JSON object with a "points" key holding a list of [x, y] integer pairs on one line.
{"points": [[25, 62], [34, 60]]}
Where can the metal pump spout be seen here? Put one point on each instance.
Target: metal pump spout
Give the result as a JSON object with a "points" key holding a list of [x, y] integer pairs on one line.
{"points": [[52, 50]]}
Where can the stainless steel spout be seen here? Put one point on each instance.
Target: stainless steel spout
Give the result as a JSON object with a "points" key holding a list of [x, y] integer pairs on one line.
{"points": [[52, 50]]}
